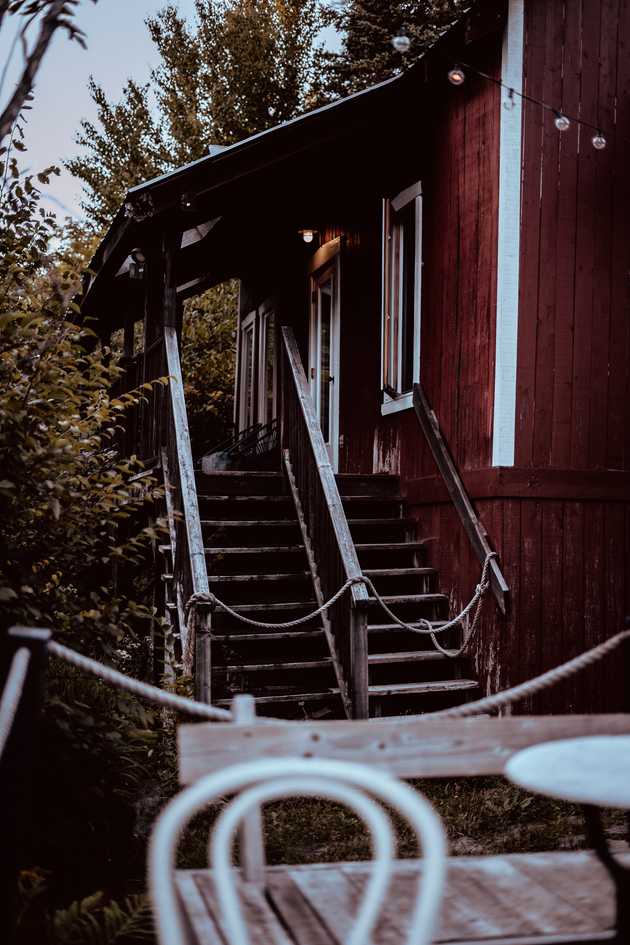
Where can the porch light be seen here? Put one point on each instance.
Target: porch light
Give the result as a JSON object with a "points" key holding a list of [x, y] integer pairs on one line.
{"points": [[457, 76], [307, 235]]}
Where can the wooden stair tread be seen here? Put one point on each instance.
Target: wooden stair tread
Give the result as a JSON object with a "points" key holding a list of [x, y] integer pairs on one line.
{"points": [[248, 578], [419, 688], [288, 697], [252, 523], [381, 521], [282, 605], [255, 550], [415, 656], [398, 572], [266, 635], [393, 545], [378, 627], [371, 498], [408, 598], [245, 498], [266, 667]]}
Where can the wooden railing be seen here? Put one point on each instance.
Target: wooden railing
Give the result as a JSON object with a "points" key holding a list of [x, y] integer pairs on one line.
{"points": [[189, 561], [473, 527], [331, 551], [156, 430]]}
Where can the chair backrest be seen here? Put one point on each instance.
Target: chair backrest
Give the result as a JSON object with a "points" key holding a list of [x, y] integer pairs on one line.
{"points": [[255, 782], [407, 749]]}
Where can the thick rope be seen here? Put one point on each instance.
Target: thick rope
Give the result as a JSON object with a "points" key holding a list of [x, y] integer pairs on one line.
{"points": [[529, 688], [424, 626], [12, 693], [138, 688], [181, 704]]}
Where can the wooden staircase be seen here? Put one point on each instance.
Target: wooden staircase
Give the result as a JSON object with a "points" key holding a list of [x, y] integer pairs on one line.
{"points": [[258, 565]]}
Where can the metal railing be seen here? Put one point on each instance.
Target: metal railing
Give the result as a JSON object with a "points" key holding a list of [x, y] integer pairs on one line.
{"points": [[333, 550]]}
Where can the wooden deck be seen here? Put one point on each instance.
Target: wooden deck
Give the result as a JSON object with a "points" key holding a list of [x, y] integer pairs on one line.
{"points": [[516, 899]]}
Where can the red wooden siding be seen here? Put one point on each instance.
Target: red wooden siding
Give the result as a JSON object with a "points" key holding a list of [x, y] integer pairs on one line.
{"points": [[573, 409]]}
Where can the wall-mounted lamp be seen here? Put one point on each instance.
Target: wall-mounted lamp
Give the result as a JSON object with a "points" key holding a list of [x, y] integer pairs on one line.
{"points": [[136, 267], [187, 201], [307, 235]]}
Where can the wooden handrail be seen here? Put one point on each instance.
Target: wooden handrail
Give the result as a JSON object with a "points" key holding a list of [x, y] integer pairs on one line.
{"points": [[189, 559], [332, 546], [473, 527]]}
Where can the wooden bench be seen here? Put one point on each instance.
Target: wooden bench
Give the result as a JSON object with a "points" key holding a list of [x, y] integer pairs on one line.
{"points": [[516, 899]]}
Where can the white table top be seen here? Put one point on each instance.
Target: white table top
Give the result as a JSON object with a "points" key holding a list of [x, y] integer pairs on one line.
{"points": [[594, 770]]}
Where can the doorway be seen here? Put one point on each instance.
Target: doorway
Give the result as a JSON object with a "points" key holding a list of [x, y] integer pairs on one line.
{"points": [[324, 342]]}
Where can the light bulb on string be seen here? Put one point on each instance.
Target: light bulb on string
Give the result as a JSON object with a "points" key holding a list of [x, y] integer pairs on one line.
{"points": [[561, 122], [401, 43], [598, 141], [457, 76]]}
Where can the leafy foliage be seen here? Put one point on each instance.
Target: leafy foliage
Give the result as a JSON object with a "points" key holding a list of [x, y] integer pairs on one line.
{"points": [[242, 66], [367, 27], [208, 358], [76, 555], [89, 921]]}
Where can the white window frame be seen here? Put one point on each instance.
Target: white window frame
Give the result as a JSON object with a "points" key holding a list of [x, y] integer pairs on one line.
{"points": [[412, 194], [248, 324], [265, 312]]}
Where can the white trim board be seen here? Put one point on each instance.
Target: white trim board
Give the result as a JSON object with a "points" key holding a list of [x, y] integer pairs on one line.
{"points": [[509, 244]]}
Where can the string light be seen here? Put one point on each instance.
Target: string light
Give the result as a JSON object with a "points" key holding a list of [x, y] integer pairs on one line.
{"points": [[561, 122], [401, 43], [457, 76]]}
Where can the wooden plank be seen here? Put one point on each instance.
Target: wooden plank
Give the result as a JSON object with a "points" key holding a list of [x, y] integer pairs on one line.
{"points": [[333, 898], [532, 482], [201, 925], [342, 683], [186, 469], [295, 912], [334, 504], [407, 748], [262, 923], [472, 526]]}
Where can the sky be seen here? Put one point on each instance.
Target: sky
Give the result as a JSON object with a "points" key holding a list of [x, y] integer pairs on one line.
{"points": [[118, 46]]}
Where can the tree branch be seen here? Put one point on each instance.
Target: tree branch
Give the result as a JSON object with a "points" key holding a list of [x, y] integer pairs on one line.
{"points": [[49, 24]]}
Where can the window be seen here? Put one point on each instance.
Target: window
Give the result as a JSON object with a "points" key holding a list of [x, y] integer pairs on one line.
{"points": [[267, 385], [247, 378], [402, 268]]}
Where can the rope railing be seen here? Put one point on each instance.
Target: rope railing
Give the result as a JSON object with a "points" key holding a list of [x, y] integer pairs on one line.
{"points": [[12, 693], [212, 713]]}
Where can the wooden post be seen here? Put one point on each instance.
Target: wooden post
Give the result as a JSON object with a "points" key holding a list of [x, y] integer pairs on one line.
{"points": [[252, 838], [359, 662], [17, 765]]}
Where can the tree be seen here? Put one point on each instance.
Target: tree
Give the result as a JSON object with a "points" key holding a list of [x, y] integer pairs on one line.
{"points": [[368, 26], [242, 66], [47, 16]]}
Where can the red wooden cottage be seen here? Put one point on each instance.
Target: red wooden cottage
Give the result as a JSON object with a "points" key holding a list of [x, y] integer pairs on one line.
{"points": [[462, 236]]}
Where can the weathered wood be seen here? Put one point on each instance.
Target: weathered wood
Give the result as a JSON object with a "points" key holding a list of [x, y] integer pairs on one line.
{"points": [[474, 529], [252, 842], [186, 470], [201, 925], [317, 584], [407, 748]]}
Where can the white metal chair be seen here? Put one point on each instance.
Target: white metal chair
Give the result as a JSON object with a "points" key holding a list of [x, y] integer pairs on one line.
{"points": [[256, 782]]}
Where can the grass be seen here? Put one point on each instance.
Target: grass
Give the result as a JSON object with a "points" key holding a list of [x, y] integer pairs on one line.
{"points": [[481, 816]]}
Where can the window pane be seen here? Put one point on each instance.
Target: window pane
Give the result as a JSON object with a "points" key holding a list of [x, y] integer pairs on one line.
{"points": [[270, 360], [325, 302], [408, 292], [248, 375]]}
